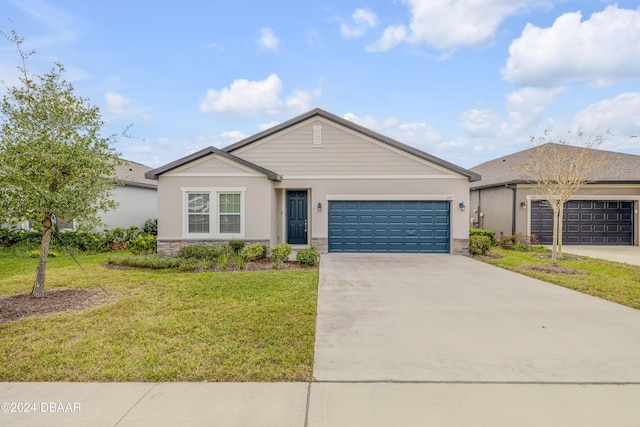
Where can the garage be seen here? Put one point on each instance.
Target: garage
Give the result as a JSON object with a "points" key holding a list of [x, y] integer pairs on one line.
{"points": [[389, 226], [586, 222]]}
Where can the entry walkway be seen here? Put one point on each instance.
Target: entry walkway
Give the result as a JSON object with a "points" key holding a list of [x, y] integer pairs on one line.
{"points": [[626, 254]]}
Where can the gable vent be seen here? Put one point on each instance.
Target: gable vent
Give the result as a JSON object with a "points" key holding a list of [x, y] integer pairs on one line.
{"points": [[317, 135]]}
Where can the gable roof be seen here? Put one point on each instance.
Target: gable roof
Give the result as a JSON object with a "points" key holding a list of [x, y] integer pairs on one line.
{"points": [[317, 112], [618, 167], [133, 174], [155, 173]]}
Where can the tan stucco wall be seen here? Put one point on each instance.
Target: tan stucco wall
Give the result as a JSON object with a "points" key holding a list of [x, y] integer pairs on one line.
{"points": [[258, 203], [322, 191], [135, 206], [492, 210]]}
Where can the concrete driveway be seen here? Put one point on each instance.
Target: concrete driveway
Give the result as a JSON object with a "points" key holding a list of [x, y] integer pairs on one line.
{"points": [[442, 318], [626, 254]]}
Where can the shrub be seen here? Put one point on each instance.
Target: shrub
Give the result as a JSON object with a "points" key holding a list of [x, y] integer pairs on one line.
{"points": [[308, 256], [280, 254], [518, 239], [254, 251], [150, 227], [36, 254], [488, 233], [479, 245], [202, 252], [142, 245], [155, 261], [223, 260], [236, 245], [239, 261], [83, 241]]}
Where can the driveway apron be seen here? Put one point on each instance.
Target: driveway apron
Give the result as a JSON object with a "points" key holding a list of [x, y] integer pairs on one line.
{"points": [[443, 318]]}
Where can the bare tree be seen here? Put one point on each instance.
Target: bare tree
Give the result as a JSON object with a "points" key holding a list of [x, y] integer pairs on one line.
{"points": [[559, 168]]}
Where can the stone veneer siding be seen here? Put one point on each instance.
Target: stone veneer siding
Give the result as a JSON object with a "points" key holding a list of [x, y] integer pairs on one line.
{"points": [[321, 245], [460, 247], [173, 246]]}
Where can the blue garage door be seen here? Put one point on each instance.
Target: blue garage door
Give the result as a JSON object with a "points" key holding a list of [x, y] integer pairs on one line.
{"points": [[389, 226]]}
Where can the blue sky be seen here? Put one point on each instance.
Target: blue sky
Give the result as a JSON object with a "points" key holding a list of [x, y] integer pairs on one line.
{"points": [[464, 80]]}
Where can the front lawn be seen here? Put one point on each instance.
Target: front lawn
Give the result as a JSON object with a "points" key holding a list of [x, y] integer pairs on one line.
{"points": [[612, 281], [161, 325]]}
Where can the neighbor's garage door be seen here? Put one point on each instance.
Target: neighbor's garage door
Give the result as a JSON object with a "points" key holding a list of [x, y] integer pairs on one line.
{"points": [[389, 226], [586, 222]]}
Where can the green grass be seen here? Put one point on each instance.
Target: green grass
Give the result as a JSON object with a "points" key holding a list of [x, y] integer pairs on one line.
{"points": [[162, 325], [612, 281]]}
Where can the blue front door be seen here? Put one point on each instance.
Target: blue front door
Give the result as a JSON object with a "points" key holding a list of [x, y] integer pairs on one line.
{"points": [[297, 221]]}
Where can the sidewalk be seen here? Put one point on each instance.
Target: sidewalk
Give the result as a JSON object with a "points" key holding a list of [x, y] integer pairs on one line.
{"points": [[320, 404]]}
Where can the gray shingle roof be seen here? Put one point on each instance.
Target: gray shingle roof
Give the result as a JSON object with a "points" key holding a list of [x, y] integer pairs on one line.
{"points": [[617, 168], [132, 173]]}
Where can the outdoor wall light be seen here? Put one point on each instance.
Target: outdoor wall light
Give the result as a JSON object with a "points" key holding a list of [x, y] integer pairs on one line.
{"points": [[523, 205], [319, 207], [462, 206]]}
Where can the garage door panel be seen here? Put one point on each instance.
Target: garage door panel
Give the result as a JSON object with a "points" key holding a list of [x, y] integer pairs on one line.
{"points": [[389, 226], [586, 222]]}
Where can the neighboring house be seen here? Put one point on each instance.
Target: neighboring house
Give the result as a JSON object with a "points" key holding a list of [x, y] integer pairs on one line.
{"points": [[317, 180], [603, 212], [137, 198]]}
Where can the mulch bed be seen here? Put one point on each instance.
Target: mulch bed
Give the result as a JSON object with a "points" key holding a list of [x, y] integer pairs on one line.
{"points": [[17, 307], [551, 269]]}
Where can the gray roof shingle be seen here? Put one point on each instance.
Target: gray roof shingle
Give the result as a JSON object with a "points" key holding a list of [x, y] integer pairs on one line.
{"points": [[617, 168]]}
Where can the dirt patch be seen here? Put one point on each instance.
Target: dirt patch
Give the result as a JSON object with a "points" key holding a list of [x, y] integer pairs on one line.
{"points": [[551, 269], [17, 307]]}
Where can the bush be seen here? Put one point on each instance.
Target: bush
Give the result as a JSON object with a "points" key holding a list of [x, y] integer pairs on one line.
{"points": [[155, 261], [308, 256], [479, 245], [150, 227], [517, 239], [236, 245], [254, 251], [142, 245], [36, 254], [83, 241], [201, 252], [239, 261], [487, 233], [280, 254]]}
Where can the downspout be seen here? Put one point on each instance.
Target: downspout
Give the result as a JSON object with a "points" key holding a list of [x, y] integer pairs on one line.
{"points": [[513, 207]]}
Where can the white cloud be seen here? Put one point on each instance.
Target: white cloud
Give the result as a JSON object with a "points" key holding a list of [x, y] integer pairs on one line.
{"points": [[620, 114], [265, 126], [363, 20], [481, 123], [63, 27], [268, 41], [598, 51], [116, 103], [449, 24], [234, 135], [527, 106], [419, 135], [139, 149], [256, 97]]}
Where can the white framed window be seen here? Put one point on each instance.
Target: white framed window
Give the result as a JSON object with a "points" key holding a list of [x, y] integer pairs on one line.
{"points": [[198, 213], [230, 213]]}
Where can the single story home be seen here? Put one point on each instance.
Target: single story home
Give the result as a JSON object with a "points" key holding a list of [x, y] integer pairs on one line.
{"points": [[315, 180], [137, 197], [603, 212]]}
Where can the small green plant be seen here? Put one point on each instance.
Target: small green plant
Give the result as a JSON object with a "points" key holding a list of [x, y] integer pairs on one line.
{"points": [[223, 261], [254, 251], [239, 261], [236, 245], [142, 245], [36, 254], [308, 256], [150, 227], [481, 232], [479, 245], [280, 254]]}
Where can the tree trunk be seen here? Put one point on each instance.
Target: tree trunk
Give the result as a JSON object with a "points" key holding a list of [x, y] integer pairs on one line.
{"points": [[38, 288], [554, 249], [560, 221]]}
